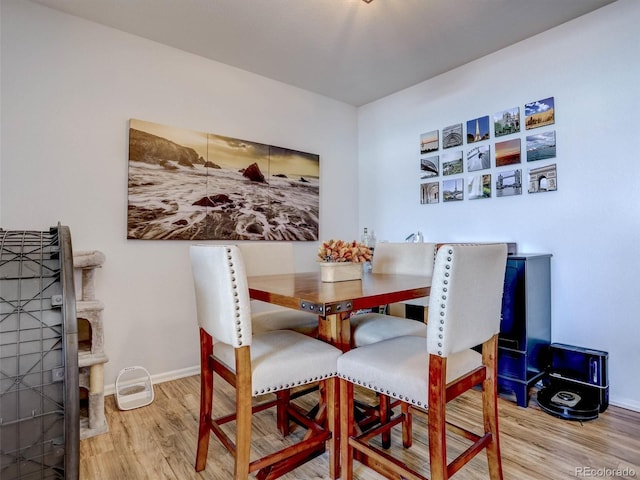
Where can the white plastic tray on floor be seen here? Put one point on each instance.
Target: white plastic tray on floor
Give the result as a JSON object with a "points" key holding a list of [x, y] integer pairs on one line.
{"points": [[134, 388]]}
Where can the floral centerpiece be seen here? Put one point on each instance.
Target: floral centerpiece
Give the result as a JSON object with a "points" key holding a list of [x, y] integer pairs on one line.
{"points": [[341, 251], [341, 261]]}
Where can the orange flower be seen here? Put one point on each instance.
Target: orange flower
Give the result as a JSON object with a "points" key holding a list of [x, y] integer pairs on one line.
{"points": [[341, 251]]}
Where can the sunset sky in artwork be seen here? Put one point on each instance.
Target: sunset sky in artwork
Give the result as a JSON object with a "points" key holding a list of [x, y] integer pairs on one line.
{"points": [[510, 147]]}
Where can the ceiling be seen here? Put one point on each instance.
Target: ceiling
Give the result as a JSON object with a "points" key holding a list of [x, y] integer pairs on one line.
{"points": [[349, 50]]}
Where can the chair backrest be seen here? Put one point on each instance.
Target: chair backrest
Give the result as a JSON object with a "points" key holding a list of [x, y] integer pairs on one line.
{"points": [[404, 258], [466, 297], [222, 293], [268, 258]]}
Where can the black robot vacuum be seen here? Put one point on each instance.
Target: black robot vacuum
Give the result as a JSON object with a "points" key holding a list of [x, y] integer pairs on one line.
{"points": [[563, 400], [577, 385]]}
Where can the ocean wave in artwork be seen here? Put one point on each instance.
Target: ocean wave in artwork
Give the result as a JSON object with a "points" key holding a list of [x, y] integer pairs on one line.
{"points": [[177, 202]]}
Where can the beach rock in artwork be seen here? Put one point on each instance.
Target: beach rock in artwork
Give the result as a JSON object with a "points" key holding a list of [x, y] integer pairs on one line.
{"points": [[209, 164], [213, 200], [253, 173], [304, 180], [255, 228], [280, 175]]}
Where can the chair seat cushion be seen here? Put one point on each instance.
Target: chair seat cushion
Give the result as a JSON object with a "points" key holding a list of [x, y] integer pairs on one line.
{"points": [[284, 319], [282, 359], [371, 328], [399, 368]]}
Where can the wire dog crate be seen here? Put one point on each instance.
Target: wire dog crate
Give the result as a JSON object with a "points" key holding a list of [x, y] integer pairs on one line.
{"points": [[39, 406]]}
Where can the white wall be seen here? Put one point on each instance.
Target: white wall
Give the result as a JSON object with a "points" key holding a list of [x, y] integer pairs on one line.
{"points": [[69, 88], [591, 225]]}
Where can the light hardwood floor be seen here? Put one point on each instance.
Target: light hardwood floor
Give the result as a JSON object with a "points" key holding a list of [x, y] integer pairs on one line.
{"points": [[158, 442]]}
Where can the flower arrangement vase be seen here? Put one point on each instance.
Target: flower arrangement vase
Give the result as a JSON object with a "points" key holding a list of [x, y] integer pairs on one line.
{"points": [[340, 271]]}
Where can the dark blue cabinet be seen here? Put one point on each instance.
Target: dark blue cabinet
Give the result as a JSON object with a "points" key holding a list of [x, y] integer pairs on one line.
{"points": [[525, 329]]}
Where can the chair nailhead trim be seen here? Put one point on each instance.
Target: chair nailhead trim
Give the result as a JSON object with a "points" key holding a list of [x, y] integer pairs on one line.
{"points": [[293, 384], [443, 305], [375, 388], [234, 286]]}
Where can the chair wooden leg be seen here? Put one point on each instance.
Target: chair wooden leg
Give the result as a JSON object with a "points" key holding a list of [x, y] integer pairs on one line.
{"points": [[206, 399], [407, 425], [282, 413], [490, 408], [384, 410], [437, 417], [333, 425], [243, 412], [347, 429]]}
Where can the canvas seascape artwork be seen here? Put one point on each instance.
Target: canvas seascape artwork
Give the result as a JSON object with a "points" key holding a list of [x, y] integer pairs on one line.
{"points": [[188, 185]]}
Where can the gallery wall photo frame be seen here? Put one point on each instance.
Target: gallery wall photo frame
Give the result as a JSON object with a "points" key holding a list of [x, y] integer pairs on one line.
{"points": [[508, 152], [429, 167], [541, 146], [479, 158], [509, 183], [543, 179], [452, 162], [479, 186], [430, 193], [429, 142], [506, 122], [453, 190], [478, 129], [539, 113], [452, 136]]}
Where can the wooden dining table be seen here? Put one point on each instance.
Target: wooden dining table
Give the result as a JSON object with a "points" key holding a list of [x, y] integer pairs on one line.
{"points": [[335, 302]]}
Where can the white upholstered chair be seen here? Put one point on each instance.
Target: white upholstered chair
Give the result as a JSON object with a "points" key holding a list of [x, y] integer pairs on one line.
{"points": [[401, 258], [275, 258], [255, 364], [404, 258], [464, 311]]}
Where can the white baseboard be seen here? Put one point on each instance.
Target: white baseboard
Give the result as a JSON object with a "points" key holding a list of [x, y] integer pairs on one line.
{"points": [[626, 404], [162, 377], [195, 370]]}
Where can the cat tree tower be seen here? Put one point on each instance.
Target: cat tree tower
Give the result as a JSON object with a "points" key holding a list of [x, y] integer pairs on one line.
{"points": [[91, 356]]}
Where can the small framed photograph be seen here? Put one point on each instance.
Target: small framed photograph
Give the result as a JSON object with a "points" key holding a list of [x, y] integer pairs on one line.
{"points": [[539, 114], [452, 136], [543, 179], [478, 129], [479, 158], [506, 122], [429, 167], [453, 190], [429, 193], [429, 142], [507, 152], [452, 163], [541, 146], [509, 183], [479, 186]]}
